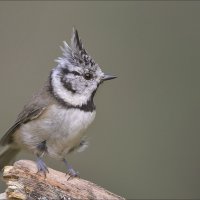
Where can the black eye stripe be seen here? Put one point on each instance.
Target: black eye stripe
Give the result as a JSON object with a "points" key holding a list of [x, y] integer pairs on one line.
{"points": [[66, 71], [75, 73]]}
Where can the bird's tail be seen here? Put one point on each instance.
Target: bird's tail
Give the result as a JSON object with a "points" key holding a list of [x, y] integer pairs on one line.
{"points": [[7, 155]]}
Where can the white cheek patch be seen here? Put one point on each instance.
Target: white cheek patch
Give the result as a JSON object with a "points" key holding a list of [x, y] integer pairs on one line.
{"points": [[68, 96]]}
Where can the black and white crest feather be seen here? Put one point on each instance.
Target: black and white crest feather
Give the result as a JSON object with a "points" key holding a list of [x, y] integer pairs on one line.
{"points": [[76, 54], [76, 77]]}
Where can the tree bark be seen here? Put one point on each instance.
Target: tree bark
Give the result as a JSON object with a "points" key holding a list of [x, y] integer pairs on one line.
{"points": [[24, 182]]}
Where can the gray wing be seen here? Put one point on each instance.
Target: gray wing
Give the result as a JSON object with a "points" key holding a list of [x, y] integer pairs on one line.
{"points": [[31, 111], [23, 118]]}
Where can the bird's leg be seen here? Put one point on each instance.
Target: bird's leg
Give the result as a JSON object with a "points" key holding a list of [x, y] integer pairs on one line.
{"points": [[42, 149], [70, 170], [41, 166]]}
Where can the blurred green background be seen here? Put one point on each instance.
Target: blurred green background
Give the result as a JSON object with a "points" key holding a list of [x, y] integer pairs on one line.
{"points": [[144, 143]]}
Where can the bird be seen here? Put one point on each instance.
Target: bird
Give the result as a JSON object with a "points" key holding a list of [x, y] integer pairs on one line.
{"points": [[54, 121]]}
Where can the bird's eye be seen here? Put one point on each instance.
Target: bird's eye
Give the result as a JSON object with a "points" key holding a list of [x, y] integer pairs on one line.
{"points": [[88, 76]]}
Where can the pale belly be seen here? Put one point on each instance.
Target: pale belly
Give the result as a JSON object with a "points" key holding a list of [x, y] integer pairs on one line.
{"points": [[61, 129]]}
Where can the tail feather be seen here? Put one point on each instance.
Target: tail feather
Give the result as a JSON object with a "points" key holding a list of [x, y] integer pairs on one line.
{"points": [[7, 155]]}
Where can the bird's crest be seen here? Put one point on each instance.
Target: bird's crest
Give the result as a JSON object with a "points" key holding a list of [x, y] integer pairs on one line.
{"points": [[76, 54]]}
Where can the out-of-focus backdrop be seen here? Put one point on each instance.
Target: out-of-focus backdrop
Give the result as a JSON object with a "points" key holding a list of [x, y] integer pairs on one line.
{"points": [[145, 141]]}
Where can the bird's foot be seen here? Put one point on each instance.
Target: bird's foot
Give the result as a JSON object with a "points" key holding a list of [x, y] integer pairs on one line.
{"points": [[42, 168], [70, 171]]}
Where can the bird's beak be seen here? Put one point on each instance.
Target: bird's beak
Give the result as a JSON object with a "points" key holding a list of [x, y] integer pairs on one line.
{"points": [[108, 77]]}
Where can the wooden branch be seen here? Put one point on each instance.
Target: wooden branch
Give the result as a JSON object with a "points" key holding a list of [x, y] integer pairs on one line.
{"points": [[24, 183]]}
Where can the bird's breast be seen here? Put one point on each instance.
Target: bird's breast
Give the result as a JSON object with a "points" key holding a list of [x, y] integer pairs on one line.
{"points": [[67, 122], [61, 128]]}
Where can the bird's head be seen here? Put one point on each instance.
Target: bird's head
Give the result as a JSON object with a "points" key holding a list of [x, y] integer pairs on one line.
{"points": [[77, 76]]}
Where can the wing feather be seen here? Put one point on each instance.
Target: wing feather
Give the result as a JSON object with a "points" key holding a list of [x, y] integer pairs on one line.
{"points": [[36, 106], [23, 118]]}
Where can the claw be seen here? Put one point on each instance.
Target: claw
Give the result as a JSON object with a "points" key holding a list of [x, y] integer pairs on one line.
{"points": [[70, 171]]}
